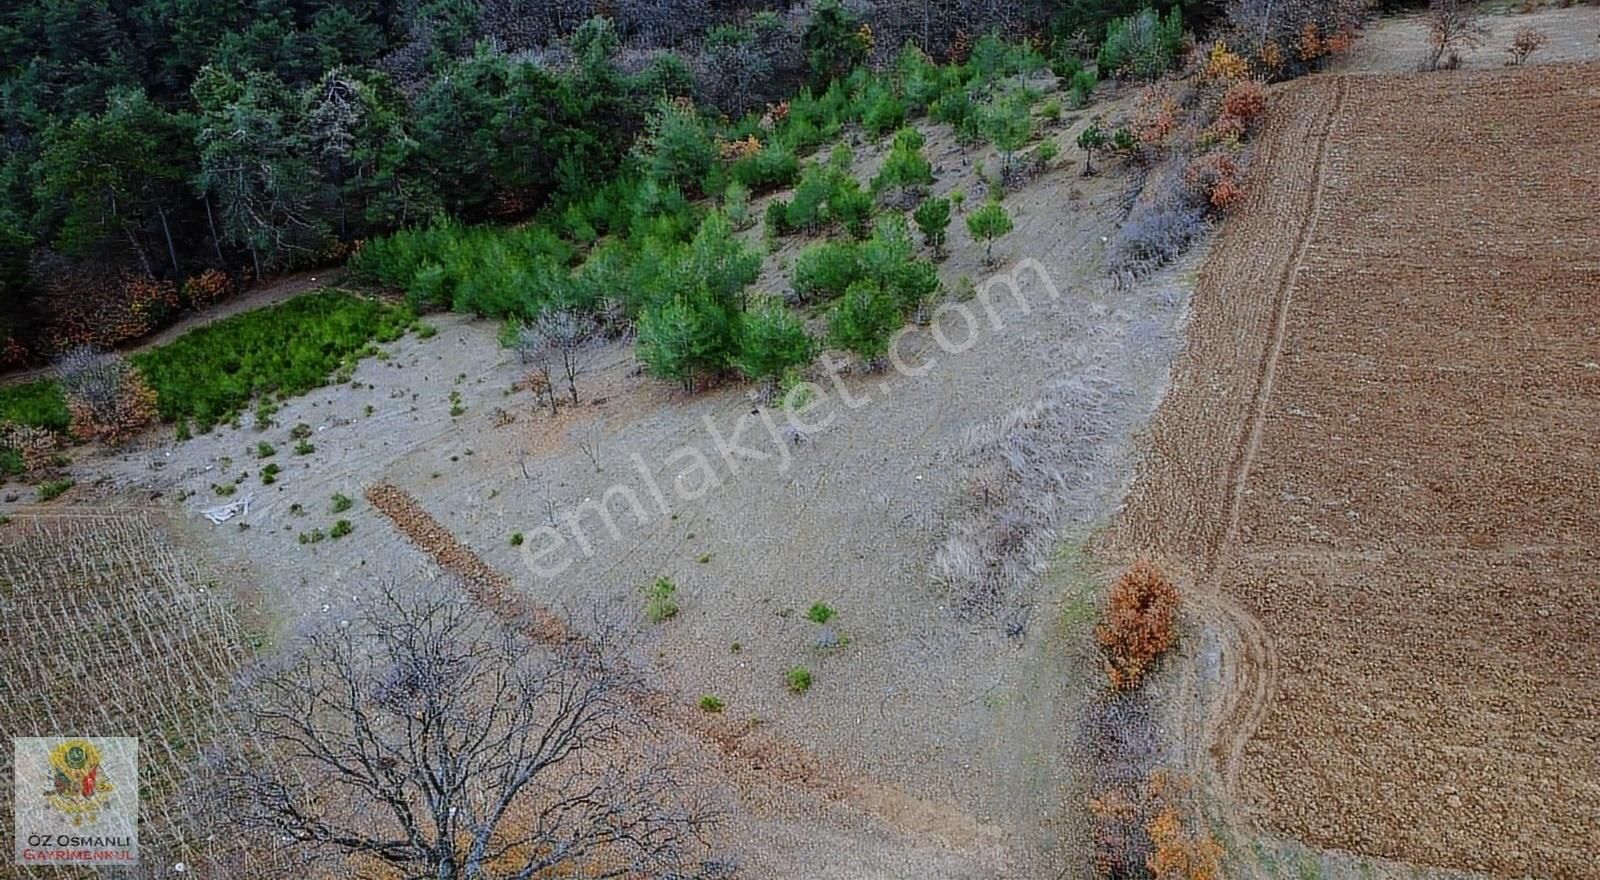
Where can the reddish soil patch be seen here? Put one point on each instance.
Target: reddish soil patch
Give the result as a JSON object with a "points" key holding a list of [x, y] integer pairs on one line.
{"points": [[1379, 454]]}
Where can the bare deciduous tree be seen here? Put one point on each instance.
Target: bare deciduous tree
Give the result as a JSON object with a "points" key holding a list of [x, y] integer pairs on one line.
{"points": [[1453, 25], [568, 336], [422, 739], [1526, 42]]}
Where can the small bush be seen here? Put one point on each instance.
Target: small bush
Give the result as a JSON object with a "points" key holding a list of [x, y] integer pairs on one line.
{"points": [[774, 167], [108, 399], [265, 450], [342, 502], [712, 704], [660, 604], [340, 529], [933, 219], [820, 612], [864, 319], [798, 680], [304, 447], [516, 539], [987, 224], [1142, 44], [1140, 624], [772, 339], [315, 536], [1081, 90], [269, 474], [826, 270], [53, 489]]}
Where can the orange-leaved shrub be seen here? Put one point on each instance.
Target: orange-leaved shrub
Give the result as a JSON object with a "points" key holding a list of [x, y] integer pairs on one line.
{"points": [[1140, 624], [207, 288], [106, 396], [1178, 853]]}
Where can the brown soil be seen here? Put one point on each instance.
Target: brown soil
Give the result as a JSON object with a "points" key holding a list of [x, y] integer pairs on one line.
{"points": [[1373, 458]]}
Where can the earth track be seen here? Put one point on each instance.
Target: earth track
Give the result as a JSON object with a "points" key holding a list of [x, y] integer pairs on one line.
{"points": [[1244, 699]]}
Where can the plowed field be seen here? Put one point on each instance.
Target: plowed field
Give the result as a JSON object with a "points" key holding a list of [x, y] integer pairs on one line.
{"points": [[1381, 455]]}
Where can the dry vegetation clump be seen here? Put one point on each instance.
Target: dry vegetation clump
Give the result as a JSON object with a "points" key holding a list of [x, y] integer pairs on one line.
{"points": [[1140, 624], [29, 448], [107, 397], [1191, 141], [1524, 43], [1024, 475]]}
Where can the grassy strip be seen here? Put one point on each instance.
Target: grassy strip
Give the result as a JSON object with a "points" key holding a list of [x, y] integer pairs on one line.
{"points": [[210, 374], [37, 404]]}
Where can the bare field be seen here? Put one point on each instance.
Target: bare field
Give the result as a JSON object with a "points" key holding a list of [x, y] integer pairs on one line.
{"points": [[1398, 43], [1397, 540]]}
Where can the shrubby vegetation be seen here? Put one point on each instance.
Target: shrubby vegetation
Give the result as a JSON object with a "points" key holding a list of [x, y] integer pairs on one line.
{"points": [[1140, 624], [210, 374], [38, 404]]}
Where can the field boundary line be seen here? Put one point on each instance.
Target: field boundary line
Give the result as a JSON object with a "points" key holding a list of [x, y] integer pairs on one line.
{"points": [[1255, 673]]}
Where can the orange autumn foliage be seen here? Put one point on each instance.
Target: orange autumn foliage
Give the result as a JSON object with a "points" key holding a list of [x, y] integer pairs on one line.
{"points": [[1140, 624]]}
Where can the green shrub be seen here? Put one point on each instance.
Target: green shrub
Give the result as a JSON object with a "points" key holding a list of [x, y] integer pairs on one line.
{"points": [[1082, 88], [269, 474], [686, 337], [863, 320], [677, 147], [826, 269], [775, 167], [710, 703], [1008, 125], [210, 374], [304, 447], [777, 218], [889, 258], [806, 209], [1050, 111], [851, 207], [340, 529], [516, 539], [314, 536], [820, 612], [798, 680], [882, 111], [987, 224], [736, 204], [265, 450], [53, 489], [38, 404], [659, 600], [933, 219], [772, 339], [905, 166], [1142, 44], [342, 502], [953, 108]]}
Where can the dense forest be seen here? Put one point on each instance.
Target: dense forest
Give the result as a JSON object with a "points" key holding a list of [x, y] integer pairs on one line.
{"points": [[158, 153]]}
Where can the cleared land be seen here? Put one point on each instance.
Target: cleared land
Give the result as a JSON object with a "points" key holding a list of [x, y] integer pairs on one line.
{"points": [[1379, 458]]}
